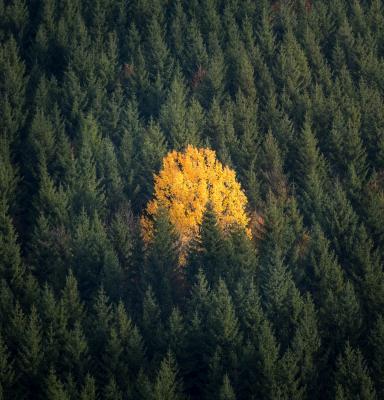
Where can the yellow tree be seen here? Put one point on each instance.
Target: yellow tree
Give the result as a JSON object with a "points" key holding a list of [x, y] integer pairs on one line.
{"points": [[187, 182]]}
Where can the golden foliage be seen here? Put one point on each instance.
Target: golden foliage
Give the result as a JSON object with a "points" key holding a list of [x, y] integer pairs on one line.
{"points": [[187, 182]]}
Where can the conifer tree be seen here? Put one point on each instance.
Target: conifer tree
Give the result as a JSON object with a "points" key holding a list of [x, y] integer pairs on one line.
{"points": [[211, 82], [152, 150], [247, 130], [195, 53], [339, 309], [133, 345], [76, 353], [151, 322], [223, 330], [88, 391], [11, 267], [54, 388], [289, 379], [71, 301], [112, 391], [173, 115], [306, 348], [197, 351], [271, 166], [226, 390], [167, 384], [209, 251], [144, 388], [281, 298], [177, 331], [110, 176], [7, 373], [159, 60], [102, 320], [94, 259], [13, 90], [128, 245], [87, 191], [352, 378], [219, 131], [177, 28], [8, 176], [310, 175], [164, 274], [376, 340], [267, 363], [31, 353]]}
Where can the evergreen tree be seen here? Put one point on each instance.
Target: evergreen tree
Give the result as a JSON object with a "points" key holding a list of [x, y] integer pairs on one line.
{"points": [[88, 391], [289, 379], [162, 264], [71, 301], [152, 150], [176, 335], [281, 298], [12, 269], [209, 83], [267, 363], [13, 90], [55, 389], [87, 191], [8, 176], [94, 259], [335, 297], [310, 175], [198, 350], [224, 335], [306, 348], [226, 391], [31, 353], [151, 322], [131, 339], [376, 339], [168, 385], [271, 167], [112, 392], [7, 373], [209, 251], [352, 378], [76, 355], [173, 115]]}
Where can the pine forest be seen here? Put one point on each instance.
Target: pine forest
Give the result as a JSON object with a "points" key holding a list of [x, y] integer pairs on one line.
{"points": [[191, 199]]}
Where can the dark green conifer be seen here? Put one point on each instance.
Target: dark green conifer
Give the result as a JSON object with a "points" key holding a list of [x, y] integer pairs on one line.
{"points": [[7, 373], [11, 266], [88, 391], [226, 390], [162, 262], [209, 251], [352, 377], [12, 90], [31, 353], [151, 322], [54, 388], [376, 354], [310, 175], [168, 384]]}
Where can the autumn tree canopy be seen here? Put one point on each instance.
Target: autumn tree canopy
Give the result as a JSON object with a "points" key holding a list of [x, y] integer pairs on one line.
{"points": [[186, 184]]}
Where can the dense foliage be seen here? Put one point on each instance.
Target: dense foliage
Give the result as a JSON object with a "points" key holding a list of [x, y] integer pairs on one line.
{"points": [[188, 183], [93, 95]]}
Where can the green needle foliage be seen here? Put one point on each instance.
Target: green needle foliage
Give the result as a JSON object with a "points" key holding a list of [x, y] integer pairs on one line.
{"points": [[93, 96]]}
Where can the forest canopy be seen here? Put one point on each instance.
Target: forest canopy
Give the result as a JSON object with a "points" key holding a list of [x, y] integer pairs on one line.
{"points": [[107, 105]]}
